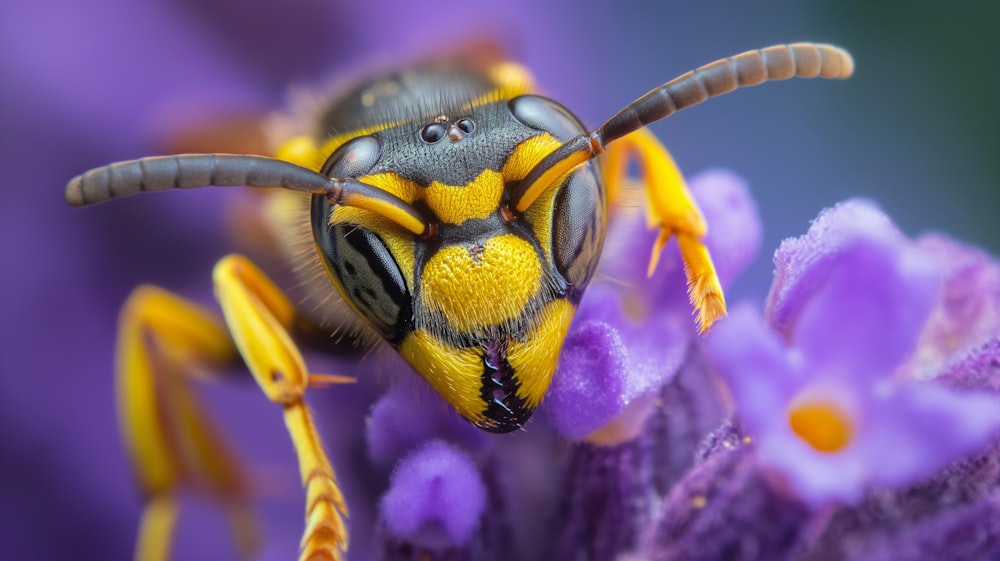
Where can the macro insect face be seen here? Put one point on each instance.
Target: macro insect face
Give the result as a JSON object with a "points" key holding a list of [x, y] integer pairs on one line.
{"points": [[481, 306], [461, 216], [456, 213]]}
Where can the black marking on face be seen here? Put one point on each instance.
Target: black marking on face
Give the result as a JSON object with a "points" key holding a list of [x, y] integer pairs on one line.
{"points": [[453, 160], [476, 250], [505, 411]]}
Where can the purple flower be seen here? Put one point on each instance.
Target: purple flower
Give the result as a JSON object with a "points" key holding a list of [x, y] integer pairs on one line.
{"points": [[818, 396], [920, 521], [978, 370], [632, 333], [802, 264], [723, 509], [435, 499], [968, 533], [607, 500], [408, 416], [967, 314], [629, 340]]}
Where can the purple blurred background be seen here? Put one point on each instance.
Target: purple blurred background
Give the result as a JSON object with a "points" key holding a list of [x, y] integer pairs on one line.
{"points": [[87, 83]]}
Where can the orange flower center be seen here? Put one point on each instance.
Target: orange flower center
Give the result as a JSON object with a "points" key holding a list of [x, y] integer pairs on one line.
{"points": [[821, 424]]}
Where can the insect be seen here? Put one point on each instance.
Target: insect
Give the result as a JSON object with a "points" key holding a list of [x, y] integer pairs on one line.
{"points": [[457, 214]]}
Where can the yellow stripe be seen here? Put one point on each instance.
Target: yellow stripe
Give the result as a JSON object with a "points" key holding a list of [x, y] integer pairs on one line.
{"points": [[454, 204], [454, 373], [522, 159], [388, 209], [534, 360], [549, 177], [525, 155], [392, 183]]}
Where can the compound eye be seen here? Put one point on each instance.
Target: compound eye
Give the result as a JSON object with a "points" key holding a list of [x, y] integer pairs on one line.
{"points": [[578, 225], [466, 125], [354, 158], [433, 133], [365, 272], [543, 114]]}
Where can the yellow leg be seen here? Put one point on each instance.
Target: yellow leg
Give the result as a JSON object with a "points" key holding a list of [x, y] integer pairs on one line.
{"points": [[259, 317], [156, 528], [163, 340], [672, 210]]}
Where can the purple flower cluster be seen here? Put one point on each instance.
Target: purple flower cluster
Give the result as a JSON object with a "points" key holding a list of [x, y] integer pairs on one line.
{"points": [[821, 394], [857, 417]]}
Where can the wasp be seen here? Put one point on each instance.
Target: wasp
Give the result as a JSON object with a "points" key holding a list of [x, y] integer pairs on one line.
{"points": [[457, 214]]}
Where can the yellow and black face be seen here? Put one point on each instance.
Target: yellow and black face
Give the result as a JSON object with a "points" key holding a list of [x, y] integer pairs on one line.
{"points": [[481, 306]]}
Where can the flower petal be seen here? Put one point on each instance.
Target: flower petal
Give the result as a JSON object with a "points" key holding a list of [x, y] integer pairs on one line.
{"points": [[754, 365], [588, 389], [864, 317], [815, 478], [609, 361], [920, 427], [901, 436], [691, 410], [801, 264]]}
